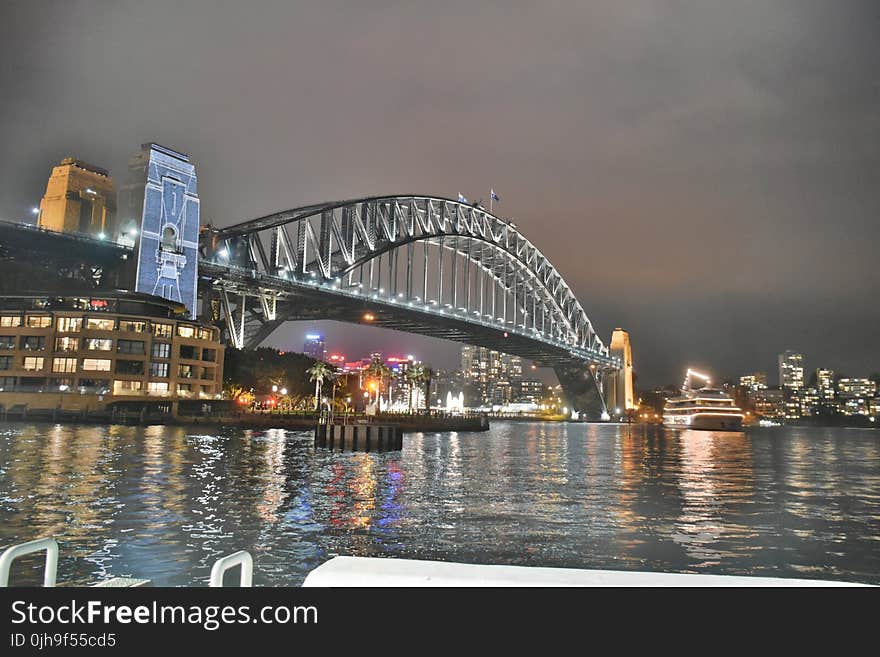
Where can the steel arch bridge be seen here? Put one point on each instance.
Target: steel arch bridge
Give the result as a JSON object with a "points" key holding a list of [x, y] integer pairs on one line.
{"points": [[421, 264]]}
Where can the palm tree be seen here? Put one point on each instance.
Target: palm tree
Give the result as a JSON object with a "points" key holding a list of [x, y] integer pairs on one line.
{"points": [[415, 375], [377, 370], [318, 373]]}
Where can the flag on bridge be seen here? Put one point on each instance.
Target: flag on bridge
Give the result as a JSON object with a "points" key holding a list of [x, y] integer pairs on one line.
{"points": [[461, 198], [492, 198]]}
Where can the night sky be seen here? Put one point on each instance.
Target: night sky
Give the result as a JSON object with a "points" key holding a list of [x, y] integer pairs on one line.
{"points": [[704, 174]]}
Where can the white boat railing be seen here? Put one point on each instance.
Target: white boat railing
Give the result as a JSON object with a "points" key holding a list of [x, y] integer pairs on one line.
{"points": [[50, 571]]}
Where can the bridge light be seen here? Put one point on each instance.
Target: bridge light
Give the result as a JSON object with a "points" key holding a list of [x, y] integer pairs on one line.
{"points": [[505, 334], [223, 253], [35, 210], [102, 236], [283, 391]]}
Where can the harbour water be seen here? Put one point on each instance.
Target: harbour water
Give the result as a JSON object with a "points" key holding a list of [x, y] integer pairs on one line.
{"points": [[164, 502]]}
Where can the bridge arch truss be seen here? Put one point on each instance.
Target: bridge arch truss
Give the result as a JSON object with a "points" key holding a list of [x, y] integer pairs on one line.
{"points": [[438, 254]]}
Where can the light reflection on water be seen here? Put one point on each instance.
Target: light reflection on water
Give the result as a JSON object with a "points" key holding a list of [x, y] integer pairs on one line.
{"points": [[164, 502]]}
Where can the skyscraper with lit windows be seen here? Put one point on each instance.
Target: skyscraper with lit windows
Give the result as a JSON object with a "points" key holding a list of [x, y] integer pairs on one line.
{"points": [[791, 371]]}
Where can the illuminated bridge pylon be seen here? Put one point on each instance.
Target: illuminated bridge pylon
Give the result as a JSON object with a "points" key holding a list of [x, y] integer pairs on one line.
{"points": [[420, 264]]}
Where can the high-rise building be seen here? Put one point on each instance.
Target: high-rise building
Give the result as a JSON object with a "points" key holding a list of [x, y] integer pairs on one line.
{"points": [[754, 381], [497, 376], [621, 394], [791, 371], [313, 347], [825, 383], [80, 198], [531, 390]]}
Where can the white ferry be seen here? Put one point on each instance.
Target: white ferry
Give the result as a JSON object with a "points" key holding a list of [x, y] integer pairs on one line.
{"points": [[702, 408]]}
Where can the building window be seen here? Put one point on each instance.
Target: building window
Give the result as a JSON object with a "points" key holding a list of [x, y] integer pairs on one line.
{"points": [[129, 346], [99, 386], [205, 333], [66, 344], [33, 363], [157, 387], [96, 364], [131, 326], [208, 373], [126, 387], [161, 350], [185, 330], [159, 370], [62, 383], [99, 344], [7, 383], [7, 342], [191, 353], [68, 324], [185, 371], [5, 362], [129, 366], [184, 389], [38, 321], [209, 354], [163, 330], [100, 324], [66, 365], [10, 321], [33, 342]]}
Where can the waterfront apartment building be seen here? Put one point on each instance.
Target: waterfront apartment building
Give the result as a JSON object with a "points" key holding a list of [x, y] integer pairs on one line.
{"points": [[791, 371], [770, 403], [79, 198], [850, 388], [108, 346], [754, 382]]}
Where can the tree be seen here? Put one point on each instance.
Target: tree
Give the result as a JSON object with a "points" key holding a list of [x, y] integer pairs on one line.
{"points": [[415, 376], [378, 371], [319, 372]]}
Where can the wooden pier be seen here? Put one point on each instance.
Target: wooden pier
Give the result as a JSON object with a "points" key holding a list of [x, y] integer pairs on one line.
{"points": [[358, 437]]}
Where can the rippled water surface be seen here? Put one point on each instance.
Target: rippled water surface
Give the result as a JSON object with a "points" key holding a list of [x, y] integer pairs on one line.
{"points": [[163, 502]]}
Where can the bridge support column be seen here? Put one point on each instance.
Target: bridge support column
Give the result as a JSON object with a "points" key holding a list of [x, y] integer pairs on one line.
{"points": [[582, 390]]}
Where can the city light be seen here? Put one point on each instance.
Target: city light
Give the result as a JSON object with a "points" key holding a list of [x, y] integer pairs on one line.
{"points": [[369, 317], [35, 210]]}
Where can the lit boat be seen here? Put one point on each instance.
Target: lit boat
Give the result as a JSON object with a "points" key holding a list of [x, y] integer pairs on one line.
{"points": [[704, 408]]}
